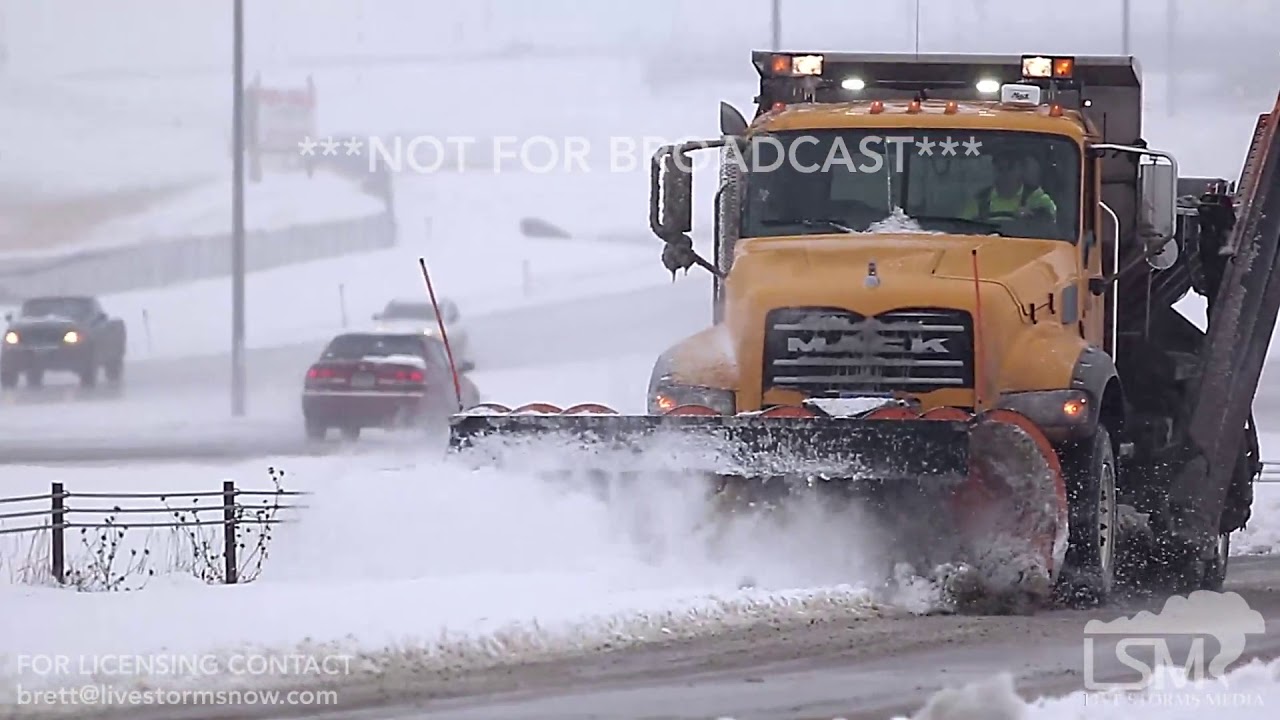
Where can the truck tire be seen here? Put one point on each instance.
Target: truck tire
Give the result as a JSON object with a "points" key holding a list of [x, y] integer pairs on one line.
{"points": [[1089, 469], [1215, 573], [8, 378], [114, 370], [89, 375]]}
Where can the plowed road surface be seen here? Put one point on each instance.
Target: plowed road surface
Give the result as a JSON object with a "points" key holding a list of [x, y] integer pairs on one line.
{"points": [[797, 669]]}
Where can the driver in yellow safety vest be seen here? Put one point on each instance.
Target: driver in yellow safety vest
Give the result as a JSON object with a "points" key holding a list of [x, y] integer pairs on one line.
{"points": [[1010, 197]]}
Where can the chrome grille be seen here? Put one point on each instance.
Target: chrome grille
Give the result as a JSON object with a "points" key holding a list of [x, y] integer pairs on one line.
{"points": [[832, 352], [41, 334]]}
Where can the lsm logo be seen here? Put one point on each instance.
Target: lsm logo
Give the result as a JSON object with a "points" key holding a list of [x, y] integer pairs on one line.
{"points": [[1206, 630]]}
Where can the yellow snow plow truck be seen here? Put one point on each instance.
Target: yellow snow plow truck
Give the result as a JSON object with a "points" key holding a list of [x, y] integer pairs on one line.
{"points": [[944, 288]]}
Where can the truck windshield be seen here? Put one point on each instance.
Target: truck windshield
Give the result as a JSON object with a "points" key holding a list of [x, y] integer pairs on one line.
{"points": [[1016, 184]]}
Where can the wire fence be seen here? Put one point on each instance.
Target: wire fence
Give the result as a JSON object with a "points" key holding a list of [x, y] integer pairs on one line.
{"points": [[62, 513]]}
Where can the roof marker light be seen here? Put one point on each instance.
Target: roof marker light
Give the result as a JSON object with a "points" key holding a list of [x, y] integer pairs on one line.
{"points": [[806, 65], [796, 64], [1037, 66]]}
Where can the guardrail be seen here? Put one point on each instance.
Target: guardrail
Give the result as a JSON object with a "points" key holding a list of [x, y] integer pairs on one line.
{"points": [[57, 518]]}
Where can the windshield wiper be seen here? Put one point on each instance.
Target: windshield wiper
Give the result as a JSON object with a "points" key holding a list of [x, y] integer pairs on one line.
{"points": [[816, 223], [990, 227]]}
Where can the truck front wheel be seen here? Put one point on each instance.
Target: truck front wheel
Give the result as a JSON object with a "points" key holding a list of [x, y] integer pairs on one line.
{"points": [[1089, 469]]}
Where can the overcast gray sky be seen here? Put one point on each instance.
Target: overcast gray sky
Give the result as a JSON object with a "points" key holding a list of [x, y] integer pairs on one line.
{"points": [[49, 35]]}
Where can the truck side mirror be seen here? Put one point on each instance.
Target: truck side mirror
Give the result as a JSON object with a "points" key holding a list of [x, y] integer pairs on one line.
{"points": [[671, 192], [1158, 182], [732, 122], [8, 317], [1166, 258]]}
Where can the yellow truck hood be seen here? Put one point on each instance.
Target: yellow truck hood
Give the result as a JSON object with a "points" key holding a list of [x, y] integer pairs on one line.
{"points": [[906, 265]]}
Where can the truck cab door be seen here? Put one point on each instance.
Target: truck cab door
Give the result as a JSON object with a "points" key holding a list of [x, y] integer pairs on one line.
{"points": [[1096, 247]]}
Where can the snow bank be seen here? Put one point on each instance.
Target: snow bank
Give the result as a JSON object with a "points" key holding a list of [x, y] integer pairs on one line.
{"points": [[1248, 692], [418, 563]]}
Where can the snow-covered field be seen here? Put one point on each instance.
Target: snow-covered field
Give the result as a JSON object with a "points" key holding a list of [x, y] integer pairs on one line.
{"points": [[467, 227], [279, 201]]}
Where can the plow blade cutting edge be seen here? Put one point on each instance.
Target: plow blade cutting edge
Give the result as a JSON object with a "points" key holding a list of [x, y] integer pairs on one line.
{"points": [[986, 491]]}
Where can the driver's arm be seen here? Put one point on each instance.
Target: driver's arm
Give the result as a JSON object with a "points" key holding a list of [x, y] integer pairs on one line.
{"points": [[1039, 203]]}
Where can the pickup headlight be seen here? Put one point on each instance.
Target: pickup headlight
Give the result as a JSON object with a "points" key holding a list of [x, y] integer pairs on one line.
{"points": [[11, 338], [72, 337]]}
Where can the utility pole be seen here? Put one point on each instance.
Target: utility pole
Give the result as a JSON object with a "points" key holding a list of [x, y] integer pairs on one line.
{"points": [[4, 44], [775, 25], [1124, 29], [237, 212], [917, 25], [1170, 57]]}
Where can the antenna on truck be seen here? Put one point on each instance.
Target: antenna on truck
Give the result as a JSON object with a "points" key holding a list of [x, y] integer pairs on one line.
{"points": [[453, 367]]}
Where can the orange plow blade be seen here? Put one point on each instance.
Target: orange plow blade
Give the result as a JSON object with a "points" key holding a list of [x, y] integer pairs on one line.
{"points": [[979, 500]]}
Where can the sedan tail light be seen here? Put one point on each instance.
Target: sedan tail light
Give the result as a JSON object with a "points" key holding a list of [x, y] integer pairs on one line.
{"points": [[327, 374], [401, 376]]}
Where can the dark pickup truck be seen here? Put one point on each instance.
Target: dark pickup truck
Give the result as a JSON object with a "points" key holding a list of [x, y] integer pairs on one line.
{"points": [[64, 333]]}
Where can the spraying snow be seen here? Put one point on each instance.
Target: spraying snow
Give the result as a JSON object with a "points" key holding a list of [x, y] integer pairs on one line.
{"points": [[420, 561]]}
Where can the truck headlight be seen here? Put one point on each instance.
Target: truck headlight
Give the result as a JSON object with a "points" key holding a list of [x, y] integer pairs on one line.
{"points": [[72, 337], [1052, 408], [11, 338], [667, 395]]}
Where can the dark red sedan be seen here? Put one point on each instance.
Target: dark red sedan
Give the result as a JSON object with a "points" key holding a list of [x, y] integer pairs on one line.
{"points": [[382, 380]]}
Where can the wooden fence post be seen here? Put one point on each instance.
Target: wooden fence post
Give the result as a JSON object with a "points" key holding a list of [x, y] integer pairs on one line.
{"points": [[58, 550], [229, 530]]}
